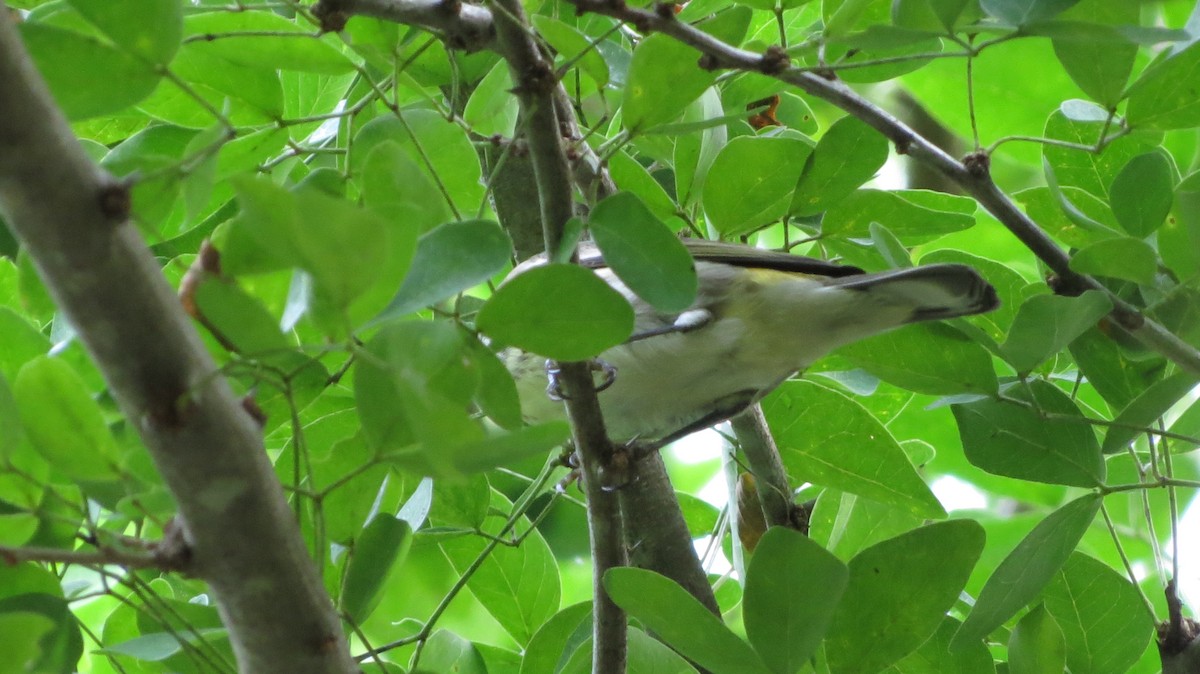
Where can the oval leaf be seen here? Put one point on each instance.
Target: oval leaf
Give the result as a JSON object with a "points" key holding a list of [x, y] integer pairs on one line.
{"points": [[560, 311], [1045, 324], [751, 182], [643, 253], [383, 543]]}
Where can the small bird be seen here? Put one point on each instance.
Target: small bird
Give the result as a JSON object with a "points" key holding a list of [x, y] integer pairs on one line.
{"points": [[759, 317]]}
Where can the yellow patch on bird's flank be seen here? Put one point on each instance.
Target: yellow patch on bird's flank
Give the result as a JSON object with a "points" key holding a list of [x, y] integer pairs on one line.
{"points": [[771, 276]]}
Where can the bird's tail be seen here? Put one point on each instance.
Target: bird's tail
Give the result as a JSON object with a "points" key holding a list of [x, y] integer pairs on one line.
{"points": [[934, 291]]}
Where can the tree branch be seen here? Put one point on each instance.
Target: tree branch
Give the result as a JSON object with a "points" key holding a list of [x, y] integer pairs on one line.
{"points": [[774, 492], [535, 86], [463, 26], [72, 218]]}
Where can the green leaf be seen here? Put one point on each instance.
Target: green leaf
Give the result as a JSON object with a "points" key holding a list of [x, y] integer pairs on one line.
{"points": [[751, 182], [448, 652], [395, 187], [898, 595], [1142, 193], [560, 311], [1045, 324], [1028, 568], [792, 588], [1141, 414], [847, 156], [151, 29], [644, 253], [1010, 439], [1179, 238], [647, 654], [572, 44], [518, 585], [61, 647], [1164, 96], [494, 450], [1036, 645], [1099, 66], [662, 80], [240, 319], [554, 640], [846, 524], [260, 39], [492, 109], [914, 216], [1021, 12], [22, 342], [676, 617], [630, 176], [927, 358], [1092, 172], [22, 630], [383, 544], [87, 77], [63, 422], [1102, 616], [450, 259], [831, 440], [1116, 376], [935, 657], [1124, 258]]}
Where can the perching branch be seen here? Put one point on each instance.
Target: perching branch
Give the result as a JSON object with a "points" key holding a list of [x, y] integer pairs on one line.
{"points": [[464, 26], [535, 86], [73, 219]]}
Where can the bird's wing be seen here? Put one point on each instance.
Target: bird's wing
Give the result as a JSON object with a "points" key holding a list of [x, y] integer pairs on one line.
{"points": [[739, 255]]}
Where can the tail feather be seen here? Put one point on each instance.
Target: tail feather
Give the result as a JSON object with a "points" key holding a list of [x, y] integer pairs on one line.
{"points": [[934, 291]]}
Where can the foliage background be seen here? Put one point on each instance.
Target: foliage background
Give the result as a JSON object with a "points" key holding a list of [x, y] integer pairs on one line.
{"points": [[330, 169]]}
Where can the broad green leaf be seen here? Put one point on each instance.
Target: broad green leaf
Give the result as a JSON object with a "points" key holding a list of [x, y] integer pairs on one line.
{"points": [[260, 39], [492, 109], [889, 247], [518, 585], [62, 646], [1123, 258], [497, 393], [22, 631], [1099, 66], [413, 386], [494, 450], [793, 586], [648, 655], [572, 44], [1021, 12], [1027, 569], [1007, 438], [158, 646], [1163, 97], [1092, 172], [87, 77], [560, 311], [246, 95], [395, 187], [1046, 324], [830, 440], [63, 422], [662, 80], [846, 156], [631, 176], [1116, 376], [1047, 209], [438, 148], [1102, 616], [383, 544], [1179, 237], [914, 216], [150, 29], [1146, 409], [448, 652], [1036, 645], [450, 259], [751, 181], [935, 657], [927, 358], [898, 594], [676, 617], [846, 524], [461, 504], [22, 342], [557, 638], [238, 319], [643, 253], [1142, 193]]}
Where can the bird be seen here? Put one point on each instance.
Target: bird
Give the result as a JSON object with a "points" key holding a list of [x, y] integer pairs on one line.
{"points": [[759, 318]]}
